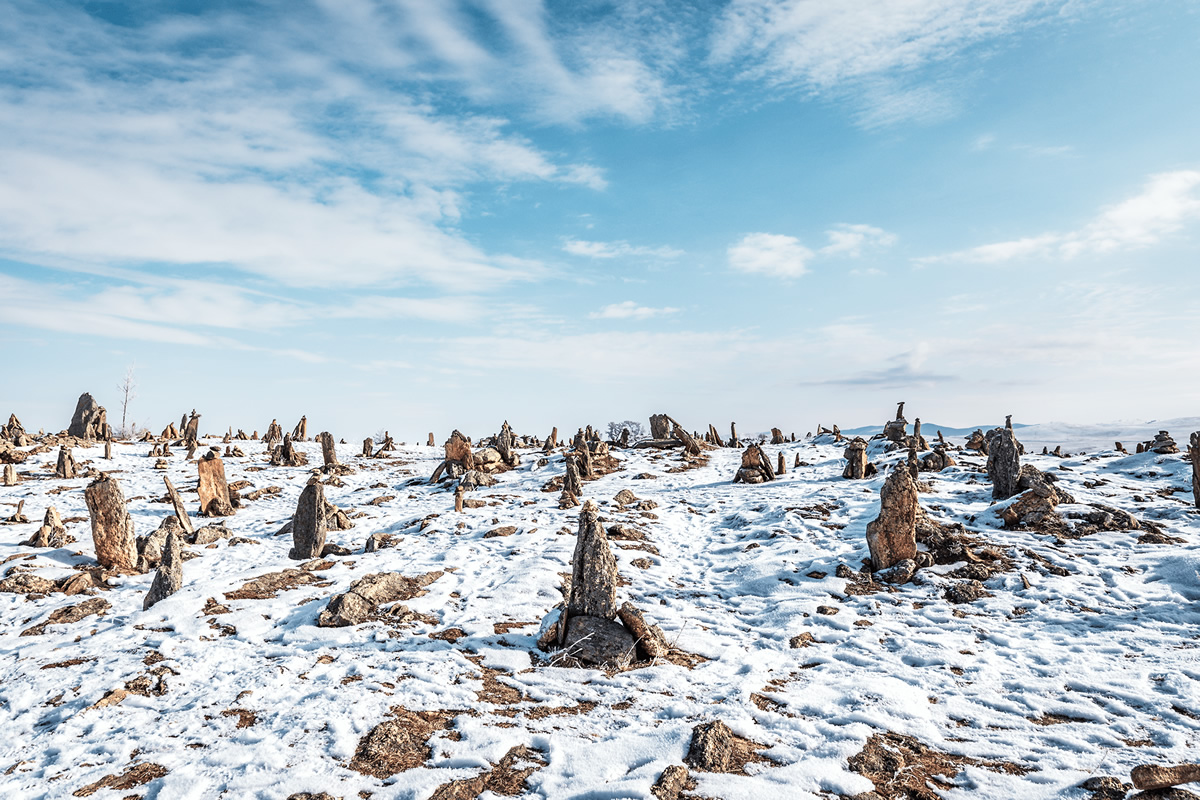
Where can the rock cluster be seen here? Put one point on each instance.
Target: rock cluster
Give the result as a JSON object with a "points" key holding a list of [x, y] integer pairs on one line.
{"points": [[589, 626], [755, 468], [857, 465], [89, 420]]}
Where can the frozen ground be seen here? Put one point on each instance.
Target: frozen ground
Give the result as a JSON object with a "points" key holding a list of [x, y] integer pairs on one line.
{"points": [[261, 703]]}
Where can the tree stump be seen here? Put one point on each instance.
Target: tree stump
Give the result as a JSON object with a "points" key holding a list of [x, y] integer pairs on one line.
{"points": [[309, 524], [169, 578], [892, 536], [212, 487], [112, 527]]}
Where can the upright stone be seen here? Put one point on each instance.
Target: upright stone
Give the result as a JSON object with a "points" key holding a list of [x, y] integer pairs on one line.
{"points": [[328, 451], [660, 426], [89, 420], [432, 441], [65, 468], [593, 569], [367, 445], [1194, 453], [1004, 463], [191, 435], [10, 475], [857, 466], [169, 578], [112, 527], [782, 468], [300, 434], [892, 536], [212, 488], [308, 524], [733, 440], [896, 430], [185, 521], [459, 449]]}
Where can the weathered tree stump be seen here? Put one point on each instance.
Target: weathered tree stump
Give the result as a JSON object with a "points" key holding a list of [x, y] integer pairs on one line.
{"points": [[112, 527], [892, 536], [169, 578], [212, 487], [309, 524]]}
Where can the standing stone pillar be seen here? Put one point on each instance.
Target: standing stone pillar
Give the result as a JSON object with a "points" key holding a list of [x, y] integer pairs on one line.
{"points": [[308, 524], [112, 527], [212, 487], [1003, 463], [169, 578], [328, 451], [892, 536]]}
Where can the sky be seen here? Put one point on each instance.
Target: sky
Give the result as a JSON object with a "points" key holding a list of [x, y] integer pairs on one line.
{"points": [[420, 216]]}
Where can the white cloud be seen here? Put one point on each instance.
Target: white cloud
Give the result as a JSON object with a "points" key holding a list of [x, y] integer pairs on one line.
{"points": [[850, 240], [617, 250], [630, 310], [1168, 202], [770, 254]]}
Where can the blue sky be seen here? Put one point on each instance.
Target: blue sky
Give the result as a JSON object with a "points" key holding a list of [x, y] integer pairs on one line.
{"points": [[418, 216]]}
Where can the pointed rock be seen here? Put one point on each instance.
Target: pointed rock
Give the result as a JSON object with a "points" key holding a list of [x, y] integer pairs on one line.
{"points": [[169, 578], [309, 523], [112, 527], [892, 536]]}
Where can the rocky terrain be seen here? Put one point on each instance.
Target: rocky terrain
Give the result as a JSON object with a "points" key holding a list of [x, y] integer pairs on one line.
{"points": [[901, 615]]}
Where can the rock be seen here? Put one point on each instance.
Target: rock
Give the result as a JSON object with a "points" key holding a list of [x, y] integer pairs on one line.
{"points": [[328, 450], [625, 498], [27, 583], [674, 779], [309, 523], [593, 569], [368, 443], [1155, 776], [181, 515], [977, 442], [89, 420], [369, 592], [857, 466], [1174, 793], [900, 572], [651, 643], [300, 432], [70, 614], [150, 548], [10, 475], [755, 468], [937, 460], [52, 532], [1004, 463], [211, 533], [1163, 444], [1194, 454], [472, 479], [660, 426], [112, 527], [891, 537], [1105, 787], [458, 448], [169, 578], [966, 592], [712, 747], [600, 641], [65, 468], [212, 487], [896, 431]]}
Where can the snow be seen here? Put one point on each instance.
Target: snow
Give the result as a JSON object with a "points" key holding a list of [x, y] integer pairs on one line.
{"points": [[1110, 645]]}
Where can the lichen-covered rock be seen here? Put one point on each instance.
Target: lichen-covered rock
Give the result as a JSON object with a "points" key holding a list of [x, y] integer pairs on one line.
{"points": [[599, 641], [1004, 463], [309, 524], [593, 569], [369, 592], [112, 527]]}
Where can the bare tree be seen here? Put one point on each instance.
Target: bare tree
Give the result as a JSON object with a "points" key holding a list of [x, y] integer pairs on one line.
{"points": [[127, 389], [636, 431]]}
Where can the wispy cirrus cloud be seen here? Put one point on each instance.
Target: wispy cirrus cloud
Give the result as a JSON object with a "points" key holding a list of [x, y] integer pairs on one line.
{"points": [[630, 310], [1167, 203]]}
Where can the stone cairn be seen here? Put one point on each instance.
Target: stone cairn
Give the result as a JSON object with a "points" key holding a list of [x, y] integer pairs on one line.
{"points": [[89, 420], [112, 527], [191, 434], [589, 626], [977, 442], [1162, 444], [892, 536], [215, 500], [755, 468], [857, 465], [1004, 462], [896, 431], [286, 455]]}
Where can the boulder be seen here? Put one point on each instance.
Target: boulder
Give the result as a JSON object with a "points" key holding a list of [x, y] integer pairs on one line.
{"points": [[89, 420], [309, 524], [112, 527], [891, 537], [599, 641], [169, 577], [1004, 463]]}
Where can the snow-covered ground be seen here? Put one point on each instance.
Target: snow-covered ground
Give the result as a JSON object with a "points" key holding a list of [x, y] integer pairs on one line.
{"points": [[260, 702]]}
